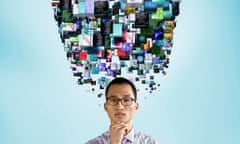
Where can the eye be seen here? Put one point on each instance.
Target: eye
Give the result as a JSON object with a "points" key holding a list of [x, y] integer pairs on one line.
{"points": [[113, 100], [127, 99]]}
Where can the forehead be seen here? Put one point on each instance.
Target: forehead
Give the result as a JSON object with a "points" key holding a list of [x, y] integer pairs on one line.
{"points": [[120, 90]]}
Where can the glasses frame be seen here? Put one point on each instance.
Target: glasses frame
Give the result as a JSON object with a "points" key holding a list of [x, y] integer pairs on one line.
{"points": [[121, 100]]}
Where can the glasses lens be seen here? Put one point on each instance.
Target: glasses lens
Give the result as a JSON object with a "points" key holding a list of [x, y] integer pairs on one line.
{"points": [[127, 101], [112, 101], [124, 101]]}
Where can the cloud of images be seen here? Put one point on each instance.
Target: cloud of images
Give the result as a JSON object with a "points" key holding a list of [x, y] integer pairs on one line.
{"points": [[104, 39]]}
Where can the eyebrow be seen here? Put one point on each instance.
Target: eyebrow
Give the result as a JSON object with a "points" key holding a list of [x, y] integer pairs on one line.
{"points": [[126, 95]]}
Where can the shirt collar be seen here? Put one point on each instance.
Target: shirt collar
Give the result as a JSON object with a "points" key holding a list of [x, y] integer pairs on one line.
{"points": [[130, 135]]}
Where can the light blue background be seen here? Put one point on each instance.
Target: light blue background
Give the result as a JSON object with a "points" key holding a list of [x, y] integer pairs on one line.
{"points": [[198, 102]]}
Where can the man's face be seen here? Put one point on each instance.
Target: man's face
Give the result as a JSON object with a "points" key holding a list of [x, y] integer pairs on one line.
{"points": [[119, 112]]}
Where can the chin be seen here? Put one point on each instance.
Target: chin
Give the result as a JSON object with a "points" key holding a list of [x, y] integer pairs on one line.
{"points": [[123, 120], [119, 120]]}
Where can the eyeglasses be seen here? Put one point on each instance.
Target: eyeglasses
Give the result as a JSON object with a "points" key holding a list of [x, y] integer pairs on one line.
{"points": [[124, 101]]}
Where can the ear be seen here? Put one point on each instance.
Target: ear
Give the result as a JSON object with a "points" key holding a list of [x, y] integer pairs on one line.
{"points": [[136, 106], [105, 107]]}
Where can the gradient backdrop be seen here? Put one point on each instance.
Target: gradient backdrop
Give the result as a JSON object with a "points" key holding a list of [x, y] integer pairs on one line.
{"points": [[198, 101]]}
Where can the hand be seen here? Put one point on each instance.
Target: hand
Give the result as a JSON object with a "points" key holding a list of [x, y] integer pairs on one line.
{"points": [[117, 131]]}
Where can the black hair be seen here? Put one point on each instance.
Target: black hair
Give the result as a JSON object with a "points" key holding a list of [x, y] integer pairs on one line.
{"points": [[121, 80]]}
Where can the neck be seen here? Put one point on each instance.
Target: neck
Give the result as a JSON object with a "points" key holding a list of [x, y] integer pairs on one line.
{"points": [[129, 126]]}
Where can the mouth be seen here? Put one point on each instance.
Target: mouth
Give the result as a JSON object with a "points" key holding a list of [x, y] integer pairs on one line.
{"points": [[119, 115]]}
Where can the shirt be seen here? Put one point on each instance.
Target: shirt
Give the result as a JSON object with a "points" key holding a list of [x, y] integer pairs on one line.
{"points": [[133, 137]]}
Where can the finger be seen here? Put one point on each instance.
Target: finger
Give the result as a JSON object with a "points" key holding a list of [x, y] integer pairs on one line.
{"points": [[119, 126], [116, 124]]}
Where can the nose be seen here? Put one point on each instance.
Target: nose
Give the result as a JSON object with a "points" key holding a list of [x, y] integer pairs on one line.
{"points": [[119, 104]]}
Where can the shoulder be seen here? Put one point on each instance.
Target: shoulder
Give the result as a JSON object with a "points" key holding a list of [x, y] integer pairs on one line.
{"points": [[101, 139], [144, 138]]}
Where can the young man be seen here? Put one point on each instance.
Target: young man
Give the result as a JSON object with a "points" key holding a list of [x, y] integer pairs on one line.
{"points": [[121, 97]]}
